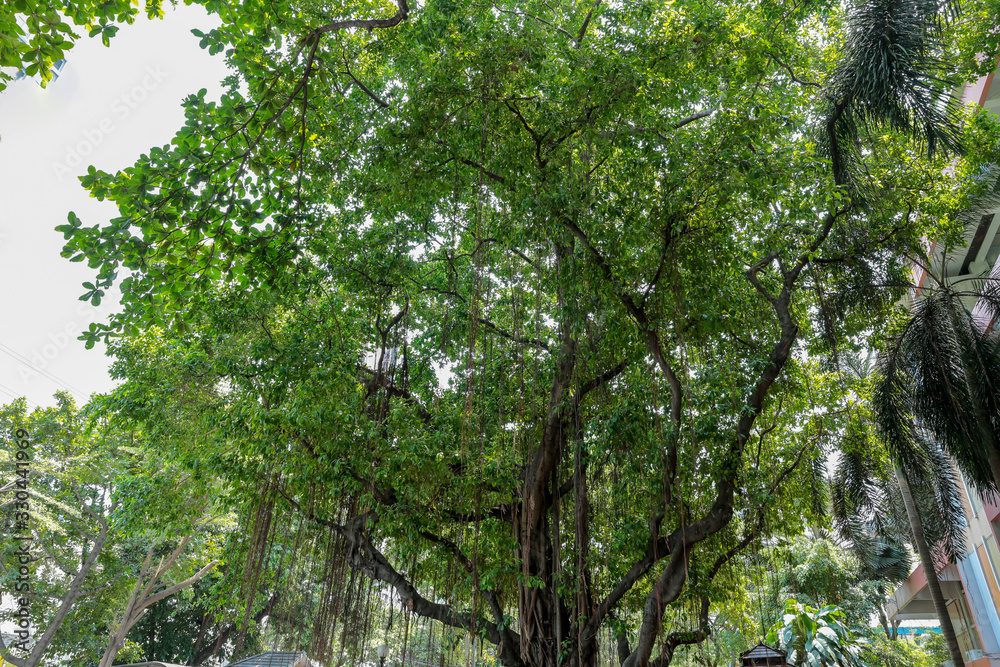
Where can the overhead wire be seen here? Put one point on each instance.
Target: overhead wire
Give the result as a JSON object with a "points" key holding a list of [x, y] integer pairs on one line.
{"points": [[13, 394], [41, 371]]}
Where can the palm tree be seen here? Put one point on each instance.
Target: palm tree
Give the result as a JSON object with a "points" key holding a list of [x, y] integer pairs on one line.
{"points": [[941, 372], [892, 74], [866, 504]]}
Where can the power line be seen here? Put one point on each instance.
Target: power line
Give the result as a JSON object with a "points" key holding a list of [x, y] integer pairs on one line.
{"points": [[13, 394], [24, 360]]}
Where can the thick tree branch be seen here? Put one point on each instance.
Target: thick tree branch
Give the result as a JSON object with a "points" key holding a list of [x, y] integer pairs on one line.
{"points": [[402, 12], [510, 640], [680, 638], [622, 646], [653, 345], [143, 597], [603, 378], [366, 558], [365, 89], [670, 582], [657, 549], [586, 23], [693, 117]]}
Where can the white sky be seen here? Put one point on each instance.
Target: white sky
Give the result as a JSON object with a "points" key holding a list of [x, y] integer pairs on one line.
{"points": [[112, 104]]}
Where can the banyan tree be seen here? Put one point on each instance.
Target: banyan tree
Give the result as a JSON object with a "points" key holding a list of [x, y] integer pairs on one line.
{"points": [[500, 323]]}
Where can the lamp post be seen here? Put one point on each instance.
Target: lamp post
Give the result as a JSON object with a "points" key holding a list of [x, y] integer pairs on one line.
{"points": [[383, 653]]}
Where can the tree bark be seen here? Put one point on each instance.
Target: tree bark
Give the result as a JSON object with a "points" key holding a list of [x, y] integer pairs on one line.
{"points": [[884, 622], [143, 597], [72, 595], [920, 542]]}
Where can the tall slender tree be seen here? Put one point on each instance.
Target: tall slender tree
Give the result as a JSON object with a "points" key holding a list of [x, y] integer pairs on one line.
{"points": [[867, 496], [941, 373]]}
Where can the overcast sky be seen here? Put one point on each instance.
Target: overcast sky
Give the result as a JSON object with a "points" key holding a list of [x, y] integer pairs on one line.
{"points": [[108, 106]]}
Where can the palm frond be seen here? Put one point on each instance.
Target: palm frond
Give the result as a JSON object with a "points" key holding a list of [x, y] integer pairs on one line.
{"points": [[947, 356], [892, 405], [888, 561], [940, 505], [893, 74], [855, 493]]}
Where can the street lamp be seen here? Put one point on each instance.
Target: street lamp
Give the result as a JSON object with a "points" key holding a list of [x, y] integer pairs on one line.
{"points": [[383, 653]]}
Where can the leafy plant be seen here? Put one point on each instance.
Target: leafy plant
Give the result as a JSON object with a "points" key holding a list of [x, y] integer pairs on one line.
{"points": [[816, 637]]}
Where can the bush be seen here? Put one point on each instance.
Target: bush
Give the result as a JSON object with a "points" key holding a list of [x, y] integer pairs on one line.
{"points": [[899, 653]]}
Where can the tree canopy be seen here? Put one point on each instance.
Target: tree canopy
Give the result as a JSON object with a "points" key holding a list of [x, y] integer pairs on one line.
{"points": [[525, 315]]}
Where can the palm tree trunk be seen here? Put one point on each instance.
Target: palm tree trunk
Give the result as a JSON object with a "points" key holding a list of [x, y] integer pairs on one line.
{"points": [[920, 542]]}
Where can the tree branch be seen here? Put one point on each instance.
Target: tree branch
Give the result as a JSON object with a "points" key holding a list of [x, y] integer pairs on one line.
{"points": [[510, 640], [366, 558], [402, 12], [792, 74], [470, 163], [375, 98], [693, 117], [586, 23], [603, 378], [535, 342]]}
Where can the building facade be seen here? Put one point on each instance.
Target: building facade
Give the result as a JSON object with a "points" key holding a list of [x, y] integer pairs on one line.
{"points": [[971, 587]]}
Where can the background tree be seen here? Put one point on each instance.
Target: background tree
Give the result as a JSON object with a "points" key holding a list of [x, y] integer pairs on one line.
{"points": [[96, 501], [72, 477], [147, 592]]}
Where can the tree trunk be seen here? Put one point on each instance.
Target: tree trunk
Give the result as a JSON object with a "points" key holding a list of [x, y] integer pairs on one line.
{"points": [[884, 622], [143, 597], [920, 542], [65, 605]]}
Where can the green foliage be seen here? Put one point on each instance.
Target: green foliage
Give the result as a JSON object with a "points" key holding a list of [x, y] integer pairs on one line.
{"points": [[881, 652], [820, 573], [937, 647], [515, 308], [35, 34], [816, 570], [816, 637]]}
